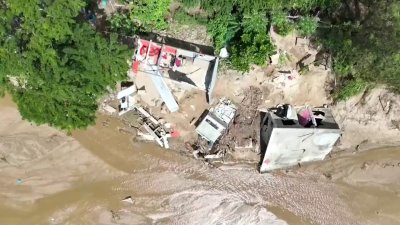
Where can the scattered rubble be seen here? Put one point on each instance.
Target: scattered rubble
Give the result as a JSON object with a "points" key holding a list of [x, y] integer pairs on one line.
{"points": [[245, 130], [152, 129], [161, 76], [212, 126]]}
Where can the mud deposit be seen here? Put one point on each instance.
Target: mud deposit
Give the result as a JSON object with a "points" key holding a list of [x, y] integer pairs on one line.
{"points": [[81, 179]]}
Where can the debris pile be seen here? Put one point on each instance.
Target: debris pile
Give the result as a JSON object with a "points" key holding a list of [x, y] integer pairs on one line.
{"points": [[245, 130], [152, 129], [211, 126], [121, 102]]}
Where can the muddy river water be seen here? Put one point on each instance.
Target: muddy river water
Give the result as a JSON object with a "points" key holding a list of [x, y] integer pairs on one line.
{"points": [[170, 188]]}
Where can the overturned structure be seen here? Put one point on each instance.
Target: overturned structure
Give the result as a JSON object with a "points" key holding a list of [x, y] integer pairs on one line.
{"points": [[296, 135], [212, 126]]}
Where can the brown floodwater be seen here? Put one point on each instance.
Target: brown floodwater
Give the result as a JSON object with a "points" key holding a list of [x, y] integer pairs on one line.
{"points": [[171, 188]]}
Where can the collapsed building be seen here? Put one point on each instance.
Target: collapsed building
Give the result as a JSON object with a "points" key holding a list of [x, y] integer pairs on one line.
{"points": [[166, 72], [296, 135], [161, 74], [211, 127]]}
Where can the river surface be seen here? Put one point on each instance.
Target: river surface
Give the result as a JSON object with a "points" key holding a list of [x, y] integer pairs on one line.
{"points": [[171, 188]]}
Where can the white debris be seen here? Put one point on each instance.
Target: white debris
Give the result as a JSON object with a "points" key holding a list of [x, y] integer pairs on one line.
{"points": [[223, 53], [127, 99], [129, 200], [196, 154], [275, 59], [143, 136], [147, 115], [225, 110]]}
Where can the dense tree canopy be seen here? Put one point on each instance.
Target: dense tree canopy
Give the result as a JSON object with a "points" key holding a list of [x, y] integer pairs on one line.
{"points": [[361, 35], [364, 39], [243, 26], [55, 66], [142, 15]]}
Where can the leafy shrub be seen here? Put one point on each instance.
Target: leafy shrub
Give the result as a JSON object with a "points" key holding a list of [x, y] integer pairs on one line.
{"points": [[182, 17], [283, 59], [253, 46], [282, 23], [121, 23], [223, 29], [150, 14], [350, 88], [143, 15], [307, 26], [190, 3]]}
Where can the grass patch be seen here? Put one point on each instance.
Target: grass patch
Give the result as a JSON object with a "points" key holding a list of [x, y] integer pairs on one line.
{"points": [[350, 89], [283, 59], [182, 17]]}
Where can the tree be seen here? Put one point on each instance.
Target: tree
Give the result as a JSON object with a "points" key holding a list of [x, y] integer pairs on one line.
{"points": [[121, 23], [254, 45], [307, 25], [223, 29], [364, 42], [143, 15], [283, 24], [243, 25], [62, 67]]}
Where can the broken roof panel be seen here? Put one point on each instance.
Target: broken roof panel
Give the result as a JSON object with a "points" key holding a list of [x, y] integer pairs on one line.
{"points": [[211, 128], [162, 88], [225, 111]]}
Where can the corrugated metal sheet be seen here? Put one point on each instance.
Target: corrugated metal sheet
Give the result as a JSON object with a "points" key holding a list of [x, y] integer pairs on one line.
{"points": [[162, 88]]}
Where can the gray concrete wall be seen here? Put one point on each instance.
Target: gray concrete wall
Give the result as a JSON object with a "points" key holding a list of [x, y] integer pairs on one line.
{"points": [[266, 129], [211, 86], [290, 146]]}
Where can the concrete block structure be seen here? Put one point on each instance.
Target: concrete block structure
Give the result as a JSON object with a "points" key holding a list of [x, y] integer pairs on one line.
{"points": [[296, 135]]}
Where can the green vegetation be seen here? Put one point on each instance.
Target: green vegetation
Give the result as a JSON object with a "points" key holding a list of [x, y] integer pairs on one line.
{"points": [[253, 45], [120, 23], [182, 17], [223, 29], [282, 24], [190, 3], [57, 67], [283, 59], [143, 15], [307, 26], [363, 38], [150, 14], [242, 26], [61, 66], [350, 88]]}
